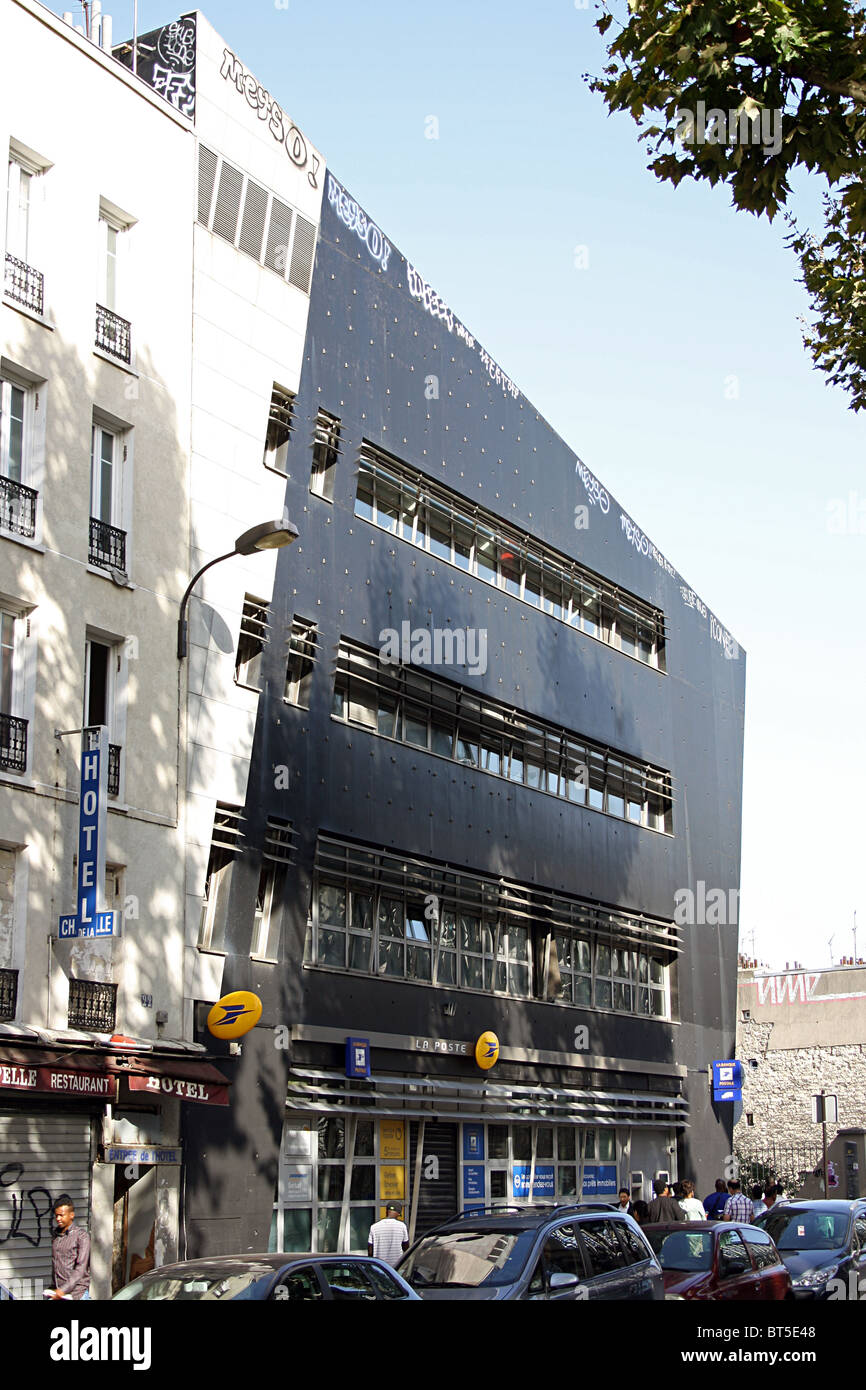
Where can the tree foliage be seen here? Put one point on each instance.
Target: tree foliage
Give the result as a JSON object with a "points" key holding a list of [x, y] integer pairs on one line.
{"points": [[797, 69]]}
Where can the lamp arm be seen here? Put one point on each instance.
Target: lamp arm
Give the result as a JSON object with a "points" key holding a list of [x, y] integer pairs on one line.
{"points": [[182, 622]]}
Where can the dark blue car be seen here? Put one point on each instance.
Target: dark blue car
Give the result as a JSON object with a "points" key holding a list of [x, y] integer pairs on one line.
{"points": [[823, 1244], [302, 1278]]}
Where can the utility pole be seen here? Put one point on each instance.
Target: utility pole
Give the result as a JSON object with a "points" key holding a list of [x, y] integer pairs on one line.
{"points": [[824, 1143], [855, 936]]}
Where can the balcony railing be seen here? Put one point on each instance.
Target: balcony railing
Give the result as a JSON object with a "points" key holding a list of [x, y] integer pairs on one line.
{"points": [[113, 334], [107, 545], [8, 993], [17, 507], [114, 751], [24, 284], [13, 743], [92, 1005]]}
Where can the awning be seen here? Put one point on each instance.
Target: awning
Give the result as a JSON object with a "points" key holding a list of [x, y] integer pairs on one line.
{"points": [[84, 1073]]}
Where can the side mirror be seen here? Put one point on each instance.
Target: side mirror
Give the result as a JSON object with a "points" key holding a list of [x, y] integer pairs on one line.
{"points": [[563, 1281]]}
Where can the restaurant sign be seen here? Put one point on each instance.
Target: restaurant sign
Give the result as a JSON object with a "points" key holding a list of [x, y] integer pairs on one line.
{"points": [[70, 1083]]}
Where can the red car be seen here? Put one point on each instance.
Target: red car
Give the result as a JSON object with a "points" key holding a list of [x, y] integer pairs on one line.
{"points": [[719, 1260]]}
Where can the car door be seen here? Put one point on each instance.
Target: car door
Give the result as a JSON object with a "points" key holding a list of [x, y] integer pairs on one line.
{"points": [[561, 1255], [642, 1279], [345, 1280], [735, 1277], [384, 1281], [773, 1279]]}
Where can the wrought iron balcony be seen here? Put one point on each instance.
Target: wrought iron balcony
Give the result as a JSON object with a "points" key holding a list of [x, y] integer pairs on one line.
{"points": [[24, 284], [107, 545], [113, 334], [8, 993], [13, 743], [114, 751], [92, 1005], [17, 507]]}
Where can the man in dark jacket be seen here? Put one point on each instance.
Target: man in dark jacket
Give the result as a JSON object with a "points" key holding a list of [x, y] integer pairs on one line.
{"points": [[714, 1205], [70, 1254], [663, 1207]]}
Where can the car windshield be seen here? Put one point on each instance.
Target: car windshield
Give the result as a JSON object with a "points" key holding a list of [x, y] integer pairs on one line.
{"points": [[685, 1250], [806, 1229], [467, 1259], [203, 1285]]}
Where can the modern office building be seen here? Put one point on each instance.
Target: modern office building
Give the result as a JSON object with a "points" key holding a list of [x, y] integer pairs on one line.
{"points": [[466, 759], [495, 770]]}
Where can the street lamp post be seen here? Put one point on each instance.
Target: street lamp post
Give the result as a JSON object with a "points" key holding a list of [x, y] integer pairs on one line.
{"points": [[268, 535]]}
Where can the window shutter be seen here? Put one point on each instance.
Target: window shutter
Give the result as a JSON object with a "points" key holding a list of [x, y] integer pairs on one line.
{"points": [[302, 254], [228, 202], [279, 231], [207, 165], [253, 220]]}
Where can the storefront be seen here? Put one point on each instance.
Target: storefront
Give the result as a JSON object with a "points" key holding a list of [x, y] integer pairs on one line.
{"points": [[101, 1126], [440, 1142]]}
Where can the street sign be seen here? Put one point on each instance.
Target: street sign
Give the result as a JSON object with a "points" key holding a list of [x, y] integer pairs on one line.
{"points": [[727, 1080], [825, 1110]]}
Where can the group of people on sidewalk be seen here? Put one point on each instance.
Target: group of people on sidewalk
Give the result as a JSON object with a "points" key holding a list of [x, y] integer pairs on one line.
{"points": [[727, 1203]]}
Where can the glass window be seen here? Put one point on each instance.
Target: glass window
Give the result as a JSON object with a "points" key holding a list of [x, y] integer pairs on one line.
{"points": [[346, 1280], [485, 555], [439, 527], [385, 1284], [509, 569], [301, 1286], [602, 1246], [12, 406]]}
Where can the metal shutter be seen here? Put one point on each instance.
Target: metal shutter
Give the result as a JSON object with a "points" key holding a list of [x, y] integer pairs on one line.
{"points": [[302, 254], [41, 1156], [437, 1197], [253, 220], [228, 202], [207, 163], [279, 231]]}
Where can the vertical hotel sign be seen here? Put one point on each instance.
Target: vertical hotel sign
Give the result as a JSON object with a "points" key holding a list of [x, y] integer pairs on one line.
{"points": [[89, 919]]}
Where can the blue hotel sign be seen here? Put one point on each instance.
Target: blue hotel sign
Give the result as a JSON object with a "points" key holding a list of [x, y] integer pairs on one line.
{"points": [[89, 920]]}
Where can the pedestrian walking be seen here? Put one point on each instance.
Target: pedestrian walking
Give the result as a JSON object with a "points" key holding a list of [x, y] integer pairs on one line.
{"points": [[714, 1205], [389, 1237], [70, 1254], [757, 1195], [738, 1207], [694, 1210], [663, 1207]]}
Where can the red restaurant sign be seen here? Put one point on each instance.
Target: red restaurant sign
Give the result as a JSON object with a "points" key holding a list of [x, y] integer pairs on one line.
{"points": [[70, 1083], [205, 1091]]}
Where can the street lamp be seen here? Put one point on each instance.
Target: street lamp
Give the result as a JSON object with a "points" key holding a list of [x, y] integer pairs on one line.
{"points": [[268, 535]]}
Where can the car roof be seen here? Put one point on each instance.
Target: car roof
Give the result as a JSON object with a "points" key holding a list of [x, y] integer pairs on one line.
{"points": [[267, 1262], [524, 1218], [700, 1226], [828, 1204]]}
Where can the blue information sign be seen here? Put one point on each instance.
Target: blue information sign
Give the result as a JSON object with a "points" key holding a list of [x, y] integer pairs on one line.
{"points": [[473, 1181], [543, 1185], [357, 1057], [473, 1142], [727, 1080], [599, 1180]]}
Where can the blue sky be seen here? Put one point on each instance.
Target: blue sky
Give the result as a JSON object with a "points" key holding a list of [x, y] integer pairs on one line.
{"points": [[631, 359]]}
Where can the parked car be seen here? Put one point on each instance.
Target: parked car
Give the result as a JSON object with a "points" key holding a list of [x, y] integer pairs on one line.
{"points": [[283, 1278], [820, 1241], [540, 1253], [720, 1260]]}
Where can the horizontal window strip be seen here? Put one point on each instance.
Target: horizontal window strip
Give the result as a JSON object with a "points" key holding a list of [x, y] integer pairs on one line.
{"points": [[480, 732], [405, 502]]}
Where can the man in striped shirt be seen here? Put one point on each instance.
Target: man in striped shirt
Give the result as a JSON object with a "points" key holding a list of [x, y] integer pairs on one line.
{"points": [[388, 1238], [738, 1207]]}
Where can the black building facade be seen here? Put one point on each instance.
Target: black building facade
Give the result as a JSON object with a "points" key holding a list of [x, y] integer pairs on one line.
{"points": [[499, 744]]}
